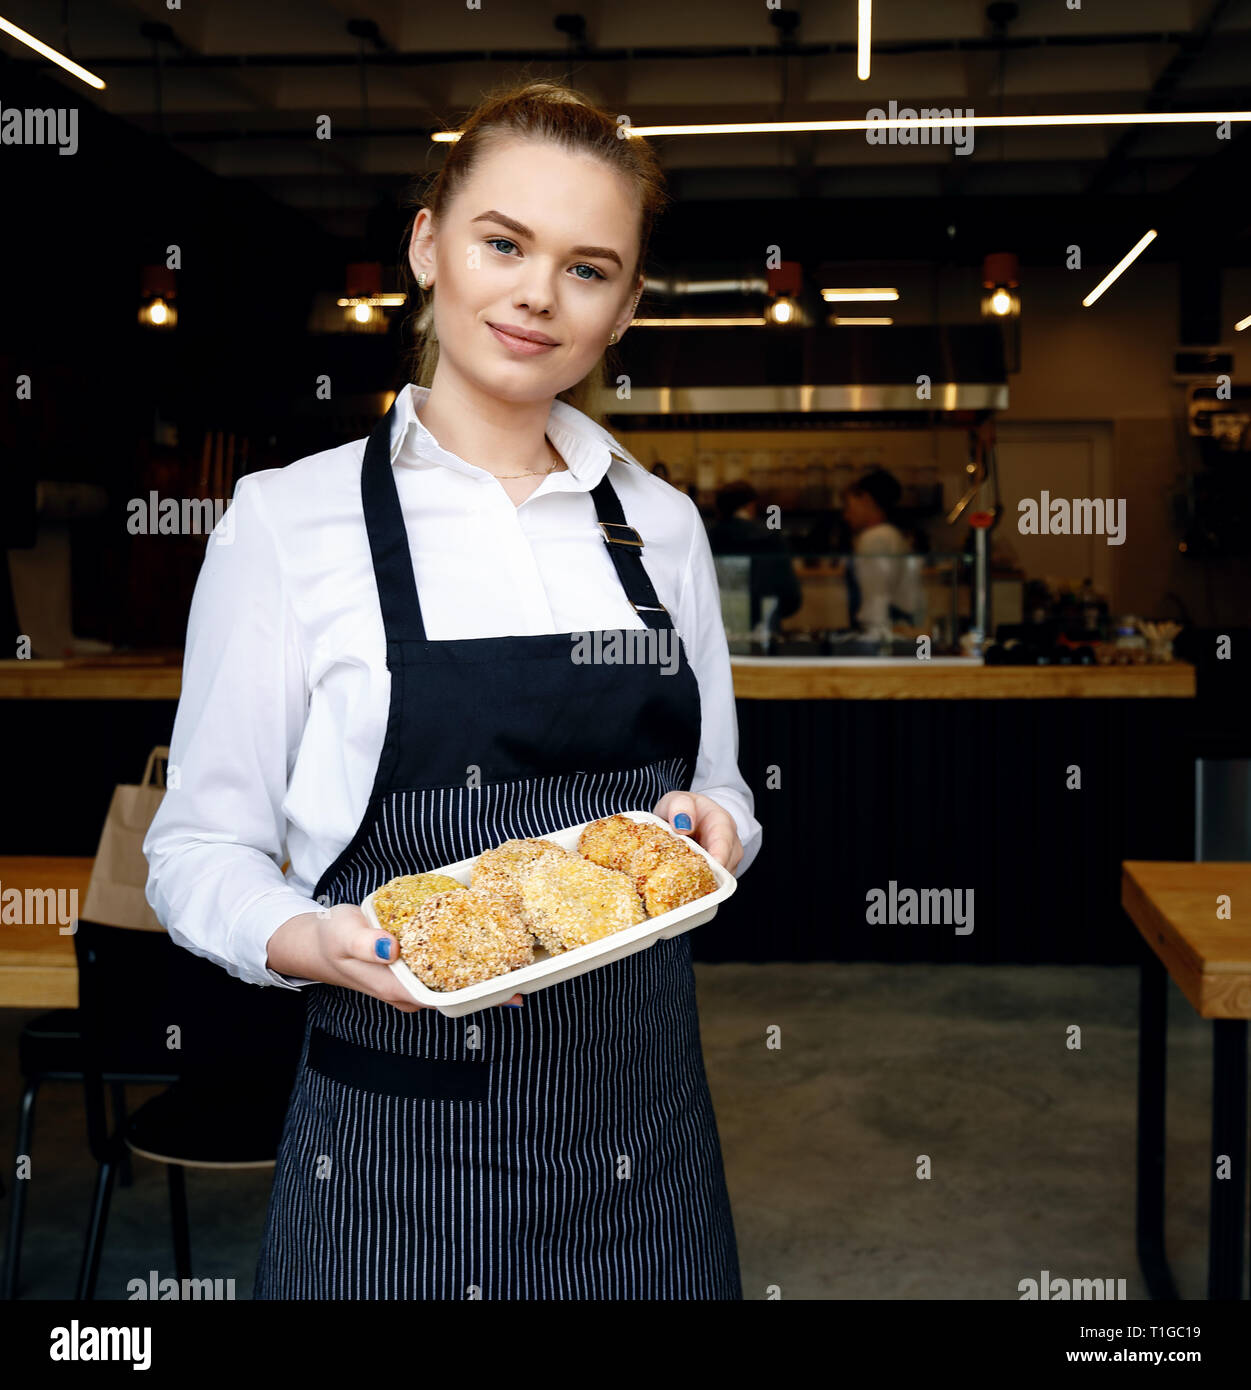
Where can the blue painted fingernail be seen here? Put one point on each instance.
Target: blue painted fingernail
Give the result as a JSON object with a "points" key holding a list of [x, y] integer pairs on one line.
{"points": [[383, 947], [682, 821], [512, 1006]]}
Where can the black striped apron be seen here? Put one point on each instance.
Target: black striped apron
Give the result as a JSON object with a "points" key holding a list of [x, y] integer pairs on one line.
{"points": [[564, 1149]]}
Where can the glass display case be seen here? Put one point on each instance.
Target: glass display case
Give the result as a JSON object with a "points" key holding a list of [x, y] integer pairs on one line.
{"points": [[840, 604]]}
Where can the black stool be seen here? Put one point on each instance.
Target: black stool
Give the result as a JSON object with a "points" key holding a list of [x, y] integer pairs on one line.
{"points": [[239, 1046]]}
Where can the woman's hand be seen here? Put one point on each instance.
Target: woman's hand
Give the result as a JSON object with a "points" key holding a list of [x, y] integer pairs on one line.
{"points": [[339, 947], [706, 821]]}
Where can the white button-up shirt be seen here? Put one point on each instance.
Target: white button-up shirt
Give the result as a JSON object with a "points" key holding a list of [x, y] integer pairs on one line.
{"points": [[285, 687]]}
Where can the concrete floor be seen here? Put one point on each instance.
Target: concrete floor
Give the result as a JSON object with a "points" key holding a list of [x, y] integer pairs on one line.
{"points": [[1031, 1144]]}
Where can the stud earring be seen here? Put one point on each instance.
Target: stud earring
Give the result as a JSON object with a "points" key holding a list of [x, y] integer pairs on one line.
{"points": [[421, 281], [613, 339]]}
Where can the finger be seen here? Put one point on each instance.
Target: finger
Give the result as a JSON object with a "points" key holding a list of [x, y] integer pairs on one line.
{"points": [[717, 835], [365, 943], [379, 982], [681, 812]]}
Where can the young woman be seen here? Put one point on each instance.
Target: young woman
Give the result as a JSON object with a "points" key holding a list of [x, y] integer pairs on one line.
{"points": [[378, 681]]}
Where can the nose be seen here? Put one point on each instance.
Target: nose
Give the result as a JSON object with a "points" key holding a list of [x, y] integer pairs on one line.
{"points": [[534, 288]]}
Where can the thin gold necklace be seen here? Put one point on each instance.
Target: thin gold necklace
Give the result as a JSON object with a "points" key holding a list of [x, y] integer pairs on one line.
{"points": [[551, 468]]}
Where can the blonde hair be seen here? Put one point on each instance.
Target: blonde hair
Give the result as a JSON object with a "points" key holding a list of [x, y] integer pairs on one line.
{"points": [[538, 110]]}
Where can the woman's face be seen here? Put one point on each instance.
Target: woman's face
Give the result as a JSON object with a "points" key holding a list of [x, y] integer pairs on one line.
{"points": [[536, 239]]}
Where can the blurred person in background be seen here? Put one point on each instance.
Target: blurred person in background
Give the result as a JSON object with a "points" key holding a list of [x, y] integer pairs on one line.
{"points": [[739, 531], [883, 588]]}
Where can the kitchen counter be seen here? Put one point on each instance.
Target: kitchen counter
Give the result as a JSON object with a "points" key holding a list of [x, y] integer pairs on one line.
{"points": [[951, 678], [158, 676]]}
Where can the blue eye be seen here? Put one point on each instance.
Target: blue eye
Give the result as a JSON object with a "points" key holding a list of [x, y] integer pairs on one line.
{"points": [[582, 265]]}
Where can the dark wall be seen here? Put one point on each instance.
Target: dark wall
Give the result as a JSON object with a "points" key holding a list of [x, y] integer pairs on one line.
{"points": [[79, 229]]}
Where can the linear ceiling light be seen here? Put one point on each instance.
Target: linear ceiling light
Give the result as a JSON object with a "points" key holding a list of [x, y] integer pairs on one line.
{"points": [[940, 122], [847, 322], [1242, 323], [864, 31], [928, 122], [699, 323], [1116, 270], [51, 54], [858, 296]]}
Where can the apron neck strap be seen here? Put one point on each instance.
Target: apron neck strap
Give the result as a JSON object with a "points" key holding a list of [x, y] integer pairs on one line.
{"points": [[393, 564]]}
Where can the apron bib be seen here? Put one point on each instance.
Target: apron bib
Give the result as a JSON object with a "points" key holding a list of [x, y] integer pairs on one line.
{"points": [[564, 1149]]}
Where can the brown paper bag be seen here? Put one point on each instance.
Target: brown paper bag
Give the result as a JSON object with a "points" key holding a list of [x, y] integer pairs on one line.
{"points": [[115, 894]]}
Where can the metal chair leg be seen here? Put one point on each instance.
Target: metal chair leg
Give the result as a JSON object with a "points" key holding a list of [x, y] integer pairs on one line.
{"points": [[1152, 1077], [17, 1209], [125, 1172], [95, 1229], [1229, 1136], [178, 1220]]}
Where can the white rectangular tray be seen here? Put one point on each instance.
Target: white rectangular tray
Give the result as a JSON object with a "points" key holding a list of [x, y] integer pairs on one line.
{"points": [[547, 969]]}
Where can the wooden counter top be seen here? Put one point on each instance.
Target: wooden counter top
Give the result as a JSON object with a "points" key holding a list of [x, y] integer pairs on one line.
{"points": [[158, 676], [773, 678]]}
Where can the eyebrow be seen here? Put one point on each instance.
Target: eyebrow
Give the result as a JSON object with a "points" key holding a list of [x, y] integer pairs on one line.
{"points": [[605, 253]]}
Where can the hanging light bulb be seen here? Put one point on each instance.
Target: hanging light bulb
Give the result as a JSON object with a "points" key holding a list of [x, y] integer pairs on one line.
{"points": [[785, 285], [156, 293], [1000, 280], [1000, 276]]}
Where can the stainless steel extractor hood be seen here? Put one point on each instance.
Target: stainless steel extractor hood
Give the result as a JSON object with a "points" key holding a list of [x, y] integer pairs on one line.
{"points": [[896, 375]]}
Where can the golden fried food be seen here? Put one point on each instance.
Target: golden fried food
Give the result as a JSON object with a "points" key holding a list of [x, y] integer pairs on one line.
{"points": [[675, 879], [569, 902], [667, 872], [460, 938], [610, 842], [395, 902], [501, 871]]}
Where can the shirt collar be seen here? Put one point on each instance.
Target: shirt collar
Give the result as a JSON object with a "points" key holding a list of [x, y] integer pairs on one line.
{"points": [[587, 448]]}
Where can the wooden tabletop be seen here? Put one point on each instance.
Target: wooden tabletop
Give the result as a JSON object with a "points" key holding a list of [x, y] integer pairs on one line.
{"points": [[147, 675], [157, 675], [1174, 906], [38, 969]]}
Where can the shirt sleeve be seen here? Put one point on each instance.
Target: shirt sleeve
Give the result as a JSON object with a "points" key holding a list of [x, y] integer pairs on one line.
{"points": [[703, 634], [217, 843]]}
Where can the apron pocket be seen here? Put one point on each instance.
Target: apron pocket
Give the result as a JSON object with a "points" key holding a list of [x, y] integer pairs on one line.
{"points": [[390, 1074]]}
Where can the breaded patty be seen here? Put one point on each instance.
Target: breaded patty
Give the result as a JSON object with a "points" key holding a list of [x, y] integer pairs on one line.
{"points": [[610, 842], [396, 901], [678, 877], [460, 938], [666, 871], [570, 902], [501, 871]]}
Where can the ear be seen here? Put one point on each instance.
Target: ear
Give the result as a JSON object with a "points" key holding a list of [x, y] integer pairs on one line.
{"points": [[421, 244], [627, 315]]}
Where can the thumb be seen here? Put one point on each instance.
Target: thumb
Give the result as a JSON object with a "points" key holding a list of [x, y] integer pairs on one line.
{"points": [[359, 939]]}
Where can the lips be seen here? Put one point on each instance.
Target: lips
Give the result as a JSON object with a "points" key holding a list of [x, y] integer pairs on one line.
{"points": [[522, 340]]}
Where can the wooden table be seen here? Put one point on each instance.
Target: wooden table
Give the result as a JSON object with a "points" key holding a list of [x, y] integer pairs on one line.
{"points": [[38, 969], [1174, 906]]}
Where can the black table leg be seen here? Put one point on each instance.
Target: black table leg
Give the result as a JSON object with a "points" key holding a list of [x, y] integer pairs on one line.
{"points": [[1229, 1144], [1152, 1076]]}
